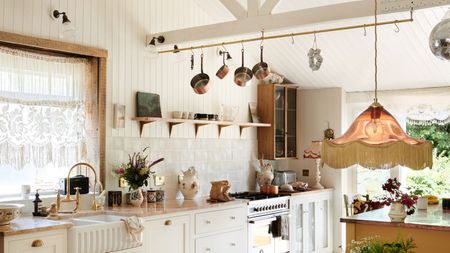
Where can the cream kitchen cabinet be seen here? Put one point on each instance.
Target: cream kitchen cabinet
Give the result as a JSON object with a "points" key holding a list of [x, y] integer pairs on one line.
{"points": [[311, 224], [171, 234], [40, 242], [221, 231]]}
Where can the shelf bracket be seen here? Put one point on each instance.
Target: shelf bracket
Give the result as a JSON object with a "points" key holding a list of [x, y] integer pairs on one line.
{"points": [[141, 126], [171, 124], [241, 129], [197, 126], [222, 126]]}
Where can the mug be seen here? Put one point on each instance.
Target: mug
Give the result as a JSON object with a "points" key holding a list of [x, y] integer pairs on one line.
{"points": [[446, 204]]}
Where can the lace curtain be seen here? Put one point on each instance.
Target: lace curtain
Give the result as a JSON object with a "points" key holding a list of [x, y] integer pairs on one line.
{"points": [[42, 108]]}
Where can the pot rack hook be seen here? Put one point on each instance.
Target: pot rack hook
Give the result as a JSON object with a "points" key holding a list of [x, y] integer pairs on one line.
{"points": [[397, 28], [262, 38], [292, 39], [315, 41], [365, 30], [192, 59]]}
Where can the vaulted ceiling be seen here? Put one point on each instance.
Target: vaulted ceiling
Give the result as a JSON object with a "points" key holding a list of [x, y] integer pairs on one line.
{"points": [[405, 60]]}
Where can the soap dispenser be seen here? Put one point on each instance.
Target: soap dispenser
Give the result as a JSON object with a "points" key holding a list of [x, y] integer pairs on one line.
{"points": [[37, 204]]}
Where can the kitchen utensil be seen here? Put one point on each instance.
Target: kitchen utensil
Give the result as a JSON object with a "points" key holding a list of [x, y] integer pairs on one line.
{"points": [[177, 114], [201, 82], [242, 74], [261, 70], [286, 188], [284, 177], [9, 212], [229, 112], [223, 71]]}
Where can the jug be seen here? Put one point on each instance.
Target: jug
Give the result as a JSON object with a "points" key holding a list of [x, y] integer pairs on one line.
{"points": [[228, 112]]}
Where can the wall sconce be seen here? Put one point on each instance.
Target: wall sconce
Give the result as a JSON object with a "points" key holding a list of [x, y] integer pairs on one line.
{"points": [[68, 31], [57, 14], [151, 47]]}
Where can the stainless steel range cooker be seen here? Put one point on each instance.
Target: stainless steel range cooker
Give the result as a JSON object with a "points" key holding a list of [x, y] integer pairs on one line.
{"points": [[268, 222]]}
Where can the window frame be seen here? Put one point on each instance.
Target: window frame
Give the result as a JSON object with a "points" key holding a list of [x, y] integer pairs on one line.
{"points": [[98, 59]]}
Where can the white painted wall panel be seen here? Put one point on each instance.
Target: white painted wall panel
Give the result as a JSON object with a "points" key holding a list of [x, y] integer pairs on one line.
{"points": [[120, 26]]}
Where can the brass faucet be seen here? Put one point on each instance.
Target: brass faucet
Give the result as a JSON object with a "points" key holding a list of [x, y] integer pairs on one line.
{"points": [[68, 198]]}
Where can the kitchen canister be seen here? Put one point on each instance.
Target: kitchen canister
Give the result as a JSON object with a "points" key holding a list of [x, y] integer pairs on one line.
{"points": [[151, 196]]}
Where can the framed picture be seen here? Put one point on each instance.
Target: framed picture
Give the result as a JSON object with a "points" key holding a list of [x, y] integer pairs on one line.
{"points": [[119, 116], [252, 106], [148, 105]]}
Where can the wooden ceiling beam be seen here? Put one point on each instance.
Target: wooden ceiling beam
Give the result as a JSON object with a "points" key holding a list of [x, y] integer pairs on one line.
{"points": [[268, 6], [253, 8], [235, 8], [279, 21]]}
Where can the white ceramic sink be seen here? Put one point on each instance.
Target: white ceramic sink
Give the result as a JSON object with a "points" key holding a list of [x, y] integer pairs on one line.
{"points": [[99, 234]]}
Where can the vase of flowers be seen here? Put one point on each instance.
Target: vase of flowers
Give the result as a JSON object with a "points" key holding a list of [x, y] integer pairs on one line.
{"points": [[401, 203], [136, 172]]}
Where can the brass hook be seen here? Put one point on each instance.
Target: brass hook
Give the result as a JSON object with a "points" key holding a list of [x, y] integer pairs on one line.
{"points": [[292, 39], [262, 38], [365, 31], [315, 41], [397, 29]]}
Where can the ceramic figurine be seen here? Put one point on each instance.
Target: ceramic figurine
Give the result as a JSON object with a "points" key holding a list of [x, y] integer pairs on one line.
{"points": [[265, 175], [188, 183]]}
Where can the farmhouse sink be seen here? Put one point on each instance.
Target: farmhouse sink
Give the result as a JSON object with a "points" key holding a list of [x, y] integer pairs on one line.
{"points": [[99, 234]]}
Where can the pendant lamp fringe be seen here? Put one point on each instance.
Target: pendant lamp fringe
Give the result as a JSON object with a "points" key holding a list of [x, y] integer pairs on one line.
{"points": [[381, 156]]}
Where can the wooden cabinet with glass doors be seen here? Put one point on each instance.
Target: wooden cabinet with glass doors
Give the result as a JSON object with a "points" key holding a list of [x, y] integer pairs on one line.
{"points": [[277, 105]]}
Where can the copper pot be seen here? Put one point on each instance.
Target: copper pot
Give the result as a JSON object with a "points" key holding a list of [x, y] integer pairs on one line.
{"points": [[242, 74], [201, 82], [223, 71], [261, 70]]}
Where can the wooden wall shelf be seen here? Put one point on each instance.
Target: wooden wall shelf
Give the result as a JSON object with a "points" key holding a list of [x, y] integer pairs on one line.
{"points": [[197, 123]]}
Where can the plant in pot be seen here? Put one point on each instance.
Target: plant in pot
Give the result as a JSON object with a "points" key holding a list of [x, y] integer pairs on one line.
{"points": [[136, 172], [401, 203], [374, 244]]}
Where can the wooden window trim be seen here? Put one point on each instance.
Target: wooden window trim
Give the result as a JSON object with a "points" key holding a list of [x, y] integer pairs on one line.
{"points": [[71, 49]]}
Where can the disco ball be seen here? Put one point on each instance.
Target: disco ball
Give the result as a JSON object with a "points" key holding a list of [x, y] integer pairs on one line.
{"points": [[440, 38]]}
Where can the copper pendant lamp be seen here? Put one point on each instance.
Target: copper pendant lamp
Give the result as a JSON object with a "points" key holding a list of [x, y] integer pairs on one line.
{"points": [[376, 140]]}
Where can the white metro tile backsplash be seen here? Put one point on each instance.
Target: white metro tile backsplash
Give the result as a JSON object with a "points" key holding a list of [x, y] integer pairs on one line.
{"points": [[214, 159]]}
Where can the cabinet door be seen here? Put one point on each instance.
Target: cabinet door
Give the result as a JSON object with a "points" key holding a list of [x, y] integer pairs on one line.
{"points": [[323, 221], [47, 244], [298, 214], [167, 235], [291, 122], [280, 122]]}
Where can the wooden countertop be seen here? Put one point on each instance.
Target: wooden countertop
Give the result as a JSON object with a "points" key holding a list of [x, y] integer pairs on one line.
{"points": [[29, 224], [434, 218]]}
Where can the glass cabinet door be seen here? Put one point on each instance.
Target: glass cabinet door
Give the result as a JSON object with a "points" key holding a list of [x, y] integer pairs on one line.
{"points": [[312, 226], [291, 123], [280, 139], [299, 227]]}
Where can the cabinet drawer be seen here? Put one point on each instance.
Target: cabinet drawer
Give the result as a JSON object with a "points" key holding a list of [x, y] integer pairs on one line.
{"points": [[235, 241], [218, 220], [55, 243]]}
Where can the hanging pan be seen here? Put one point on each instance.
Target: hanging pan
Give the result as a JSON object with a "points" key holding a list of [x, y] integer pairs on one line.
{"points": [[223, 71], [201, 82], [261, 70], [242, 74]]}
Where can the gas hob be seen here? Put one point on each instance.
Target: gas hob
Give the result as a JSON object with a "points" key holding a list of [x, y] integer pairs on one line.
{"points": [[263, 204]]}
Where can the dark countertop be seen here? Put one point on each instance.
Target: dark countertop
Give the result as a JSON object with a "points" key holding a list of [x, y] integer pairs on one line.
{"points": [[434, 218]]}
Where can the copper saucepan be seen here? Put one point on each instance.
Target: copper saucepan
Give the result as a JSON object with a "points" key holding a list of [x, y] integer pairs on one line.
{"points": [[201, 82], [261, 70], [223, 71], [242, 74]]}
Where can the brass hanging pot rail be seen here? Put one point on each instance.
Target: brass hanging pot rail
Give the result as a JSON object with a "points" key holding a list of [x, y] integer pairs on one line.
{"points": [[289, 35]]}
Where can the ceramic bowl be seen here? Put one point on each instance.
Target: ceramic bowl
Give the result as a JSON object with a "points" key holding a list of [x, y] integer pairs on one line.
{"points": [[9, 212]]}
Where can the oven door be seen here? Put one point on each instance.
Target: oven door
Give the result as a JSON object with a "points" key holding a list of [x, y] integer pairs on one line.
{"points": [[260, 236]]}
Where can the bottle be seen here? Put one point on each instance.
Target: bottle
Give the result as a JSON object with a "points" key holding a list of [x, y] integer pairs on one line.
{"points": [[37, 204]]}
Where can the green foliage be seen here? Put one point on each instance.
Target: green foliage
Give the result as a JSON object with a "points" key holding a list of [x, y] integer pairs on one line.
{"points": [[437, 180], [439, 135], [376, 245]]}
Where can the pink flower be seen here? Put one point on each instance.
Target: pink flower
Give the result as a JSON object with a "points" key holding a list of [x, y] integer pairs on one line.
{"points": [[119, 170]]}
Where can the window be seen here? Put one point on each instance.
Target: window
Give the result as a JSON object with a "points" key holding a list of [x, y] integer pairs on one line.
{"points": [[44, 118], [434, 181]]}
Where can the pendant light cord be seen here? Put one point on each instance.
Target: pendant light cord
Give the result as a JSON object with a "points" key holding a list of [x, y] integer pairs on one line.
{"points": [[376, 52]]}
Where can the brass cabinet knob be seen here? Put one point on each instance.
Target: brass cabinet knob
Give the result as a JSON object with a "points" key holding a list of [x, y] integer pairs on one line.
{"points": [[168, 222], [37, 243]]}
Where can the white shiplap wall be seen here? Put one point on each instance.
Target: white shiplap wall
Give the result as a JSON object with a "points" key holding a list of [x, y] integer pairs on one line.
{"points": [[120, 27]]}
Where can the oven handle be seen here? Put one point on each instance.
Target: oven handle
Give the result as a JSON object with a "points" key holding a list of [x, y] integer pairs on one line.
{"points": [[262, 221]]}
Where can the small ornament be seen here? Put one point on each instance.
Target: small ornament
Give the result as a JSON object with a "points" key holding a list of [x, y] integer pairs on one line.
{"points": [[189, 183], [315, 59]]}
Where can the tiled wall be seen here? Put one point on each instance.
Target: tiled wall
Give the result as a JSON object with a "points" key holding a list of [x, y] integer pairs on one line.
{"points": [[214, 159]]}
